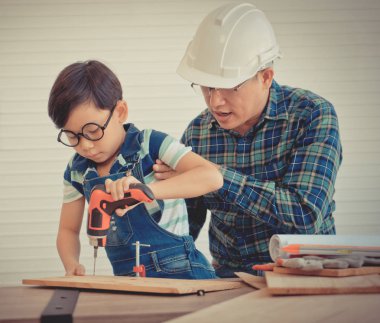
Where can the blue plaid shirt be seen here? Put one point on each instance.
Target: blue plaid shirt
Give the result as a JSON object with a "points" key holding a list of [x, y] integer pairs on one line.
{"points": [[278, 178]]}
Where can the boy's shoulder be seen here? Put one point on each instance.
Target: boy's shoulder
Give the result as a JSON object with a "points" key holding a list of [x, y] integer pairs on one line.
{"points": [[145, 142], [135, 134], [136, 139], [155, 141], [78, 163]]}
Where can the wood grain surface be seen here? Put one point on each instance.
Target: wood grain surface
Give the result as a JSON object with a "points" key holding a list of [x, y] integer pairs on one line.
{"points": [[136, 284], [24, 304], [329, 272], [284, 284], [261, 307], [254, 281]]}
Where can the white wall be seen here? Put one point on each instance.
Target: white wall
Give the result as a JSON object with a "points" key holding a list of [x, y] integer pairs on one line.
{"points": [[330, 46]]}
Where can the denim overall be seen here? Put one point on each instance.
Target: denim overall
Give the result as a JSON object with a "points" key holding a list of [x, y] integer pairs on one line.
{"points": [[169, 255]]}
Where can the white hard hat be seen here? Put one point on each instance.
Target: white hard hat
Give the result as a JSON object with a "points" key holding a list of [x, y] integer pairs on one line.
{"points": [[231, 45]]}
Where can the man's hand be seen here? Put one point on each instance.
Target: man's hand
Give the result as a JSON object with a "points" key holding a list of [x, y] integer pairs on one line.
{"points": [[163, 171]]}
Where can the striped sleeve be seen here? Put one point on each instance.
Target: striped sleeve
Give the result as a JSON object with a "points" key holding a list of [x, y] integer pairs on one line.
{"points": [[166, 148], [70, 193], [72, 184]]}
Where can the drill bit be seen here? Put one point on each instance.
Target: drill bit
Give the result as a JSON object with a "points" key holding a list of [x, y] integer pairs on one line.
{"points": [[95, 256]]}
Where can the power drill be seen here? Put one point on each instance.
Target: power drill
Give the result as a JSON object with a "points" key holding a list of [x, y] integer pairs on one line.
{"points": [[102, 205]]}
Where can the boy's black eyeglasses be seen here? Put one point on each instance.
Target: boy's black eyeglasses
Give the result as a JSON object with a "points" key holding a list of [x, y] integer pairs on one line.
{"points": [[91, 131]]}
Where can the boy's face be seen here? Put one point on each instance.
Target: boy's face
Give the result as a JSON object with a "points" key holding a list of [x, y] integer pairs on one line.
{"points": [[105, 149]]}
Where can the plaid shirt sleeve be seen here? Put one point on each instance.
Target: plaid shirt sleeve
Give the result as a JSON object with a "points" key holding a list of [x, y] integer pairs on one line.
{"points": [[197, 213], [300, 201]]}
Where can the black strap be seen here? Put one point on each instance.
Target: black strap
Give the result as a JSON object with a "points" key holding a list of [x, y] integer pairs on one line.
{"points": [[60, 307]]}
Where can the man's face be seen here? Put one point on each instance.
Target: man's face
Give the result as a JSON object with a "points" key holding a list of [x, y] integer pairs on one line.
{"points": [[239, 110]]}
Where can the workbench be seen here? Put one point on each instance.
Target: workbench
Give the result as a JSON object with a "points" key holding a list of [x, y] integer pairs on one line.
{"points": [[26, 303]]}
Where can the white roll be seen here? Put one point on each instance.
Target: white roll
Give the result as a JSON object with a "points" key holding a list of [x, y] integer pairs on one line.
{"points": [[279, 241]]}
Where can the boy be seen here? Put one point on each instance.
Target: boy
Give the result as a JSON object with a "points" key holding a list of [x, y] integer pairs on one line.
{"points": [[86, 103]]}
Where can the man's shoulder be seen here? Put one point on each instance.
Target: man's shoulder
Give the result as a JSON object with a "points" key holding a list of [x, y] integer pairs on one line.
{"points": [[300, 97], [303, 103]]}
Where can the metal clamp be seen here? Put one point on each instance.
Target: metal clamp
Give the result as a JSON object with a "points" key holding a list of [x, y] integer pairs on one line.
{"points": [[139, 269]]}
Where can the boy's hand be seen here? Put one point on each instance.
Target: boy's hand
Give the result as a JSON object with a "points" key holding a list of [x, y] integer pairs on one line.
{"points": [[76, 270], [118, 188], [163, 171]]}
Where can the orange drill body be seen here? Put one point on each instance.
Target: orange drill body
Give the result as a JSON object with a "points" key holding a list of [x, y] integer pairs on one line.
{"points": [[102, 205]]}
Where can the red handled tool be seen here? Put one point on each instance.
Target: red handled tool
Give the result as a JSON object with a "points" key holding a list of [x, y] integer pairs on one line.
{"points": [[101, 207]]}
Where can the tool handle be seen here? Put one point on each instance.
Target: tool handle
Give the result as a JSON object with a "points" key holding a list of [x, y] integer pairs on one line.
{"points": [[140, 191], [136, 193]]}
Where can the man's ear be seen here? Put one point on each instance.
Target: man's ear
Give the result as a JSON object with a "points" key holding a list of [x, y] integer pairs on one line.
{"points": [[122, 111], [267, 77]]}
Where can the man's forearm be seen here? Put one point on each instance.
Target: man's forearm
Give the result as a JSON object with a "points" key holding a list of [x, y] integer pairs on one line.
{"points": [[284, 208]]}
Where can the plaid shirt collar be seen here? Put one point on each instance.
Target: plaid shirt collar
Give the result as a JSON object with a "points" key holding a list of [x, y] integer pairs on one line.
{"points": [[274, 110]]}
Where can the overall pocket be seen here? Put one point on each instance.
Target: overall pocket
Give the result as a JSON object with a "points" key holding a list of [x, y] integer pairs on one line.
{"points": [[120, 231], [171, 263]]}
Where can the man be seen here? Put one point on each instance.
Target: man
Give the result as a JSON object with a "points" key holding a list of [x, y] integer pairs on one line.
{"points": [[277, 147]]}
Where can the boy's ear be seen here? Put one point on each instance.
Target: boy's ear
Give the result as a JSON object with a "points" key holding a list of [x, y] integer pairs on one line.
{"points": [[122, 111]]}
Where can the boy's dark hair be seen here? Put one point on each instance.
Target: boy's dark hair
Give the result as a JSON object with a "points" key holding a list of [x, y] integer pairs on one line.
{"points": [[89, 81]]}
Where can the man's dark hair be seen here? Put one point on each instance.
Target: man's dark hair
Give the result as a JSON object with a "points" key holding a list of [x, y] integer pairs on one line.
{"points": [[89, 81]]}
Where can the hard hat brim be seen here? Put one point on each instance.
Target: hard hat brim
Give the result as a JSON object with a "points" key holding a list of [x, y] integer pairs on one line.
{"points": [[198, 77]]}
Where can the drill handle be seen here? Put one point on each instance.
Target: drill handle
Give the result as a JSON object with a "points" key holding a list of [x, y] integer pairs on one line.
{"points": [[141, 192], [110, 207], [136, 194]]}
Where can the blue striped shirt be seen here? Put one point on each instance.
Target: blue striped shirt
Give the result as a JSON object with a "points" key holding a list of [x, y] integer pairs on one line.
{"points": [[278, 178]]}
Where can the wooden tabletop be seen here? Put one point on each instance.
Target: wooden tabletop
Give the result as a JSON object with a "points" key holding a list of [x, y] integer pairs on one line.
{"points": [[25, 304], [260, 306]]}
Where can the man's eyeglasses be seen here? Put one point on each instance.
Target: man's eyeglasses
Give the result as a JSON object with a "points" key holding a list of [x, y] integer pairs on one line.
{"points": [[91, 131], [206, 91]]}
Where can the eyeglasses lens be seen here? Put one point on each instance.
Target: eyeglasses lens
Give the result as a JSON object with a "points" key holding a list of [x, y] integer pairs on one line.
{"points": [[68, 138], [92, 131]]}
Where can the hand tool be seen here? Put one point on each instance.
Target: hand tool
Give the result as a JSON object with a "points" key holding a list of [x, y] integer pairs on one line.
{"points": [[139, 269], [101, 207]]}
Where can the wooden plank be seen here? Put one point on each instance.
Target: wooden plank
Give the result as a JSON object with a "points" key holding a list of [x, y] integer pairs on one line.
{"points": [[329, 272], [254, 281], [136, 284], [283, 284]]}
